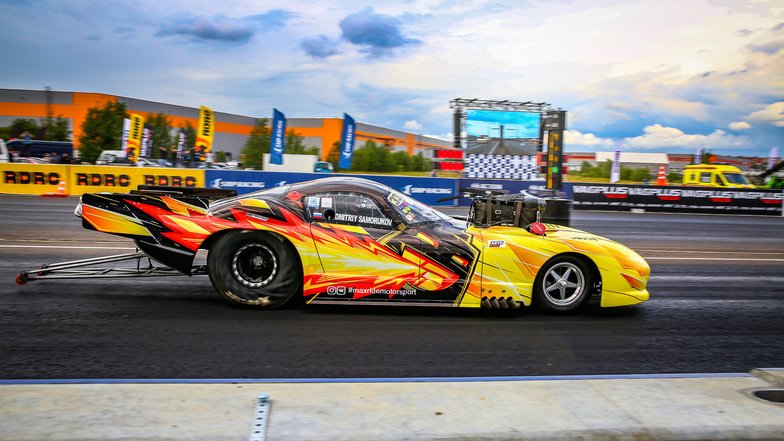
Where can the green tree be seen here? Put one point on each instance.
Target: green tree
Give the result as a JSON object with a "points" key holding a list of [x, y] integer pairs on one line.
{"points": [[403, 162], [101, 130], [258, 143], [160, 128], [295, 144], [372, 157], [56, 129], [19, 126], [333, 156], [190, 136], [420, 163]]}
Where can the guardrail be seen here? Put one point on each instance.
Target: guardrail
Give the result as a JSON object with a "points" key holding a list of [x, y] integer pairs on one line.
{"points": [[78, 179]]}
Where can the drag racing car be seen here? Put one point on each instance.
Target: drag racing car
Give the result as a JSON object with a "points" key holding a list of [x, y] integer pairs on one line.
{"points": [[354, 241]]}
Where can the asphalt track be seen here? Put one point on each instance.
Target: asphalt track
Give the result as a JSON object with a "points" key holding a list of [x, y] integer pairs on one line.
{"points": [[717, 306]]}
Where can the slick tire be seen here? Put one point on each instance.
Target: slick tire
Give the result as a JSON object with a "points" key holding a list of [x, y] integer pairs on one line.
{"points": [[563, 285], [254, 269]]}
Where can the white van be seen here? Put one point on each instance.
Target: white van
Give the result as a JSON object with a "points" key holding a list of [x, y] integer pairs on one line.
{"points": [[4, 156], [112, 157]]}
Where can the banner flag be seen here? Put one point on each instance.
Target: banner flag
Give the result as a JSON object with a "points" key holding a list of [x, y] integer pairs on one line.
{"points": [[181, 139], [204, 134], [698, 155], [278, 139], [615, 173], [774, 155], [146, 142], [135, 137], [347, 141], [125, 133]]}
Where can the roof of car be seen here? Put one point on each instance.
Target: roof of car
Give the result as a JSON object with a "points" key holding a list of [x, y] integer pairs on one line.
{"points": [[342, 184]]}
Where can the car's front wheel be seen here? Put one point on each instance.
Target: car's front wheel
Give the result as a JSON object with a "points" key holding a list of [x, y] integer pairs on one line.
{"points": [[563, 285], [254, 269]]}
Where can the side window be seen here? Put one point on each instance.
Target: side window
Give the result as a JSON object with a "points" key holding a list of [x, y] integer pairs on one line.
{"points": [[346, 208], [705, 177]]}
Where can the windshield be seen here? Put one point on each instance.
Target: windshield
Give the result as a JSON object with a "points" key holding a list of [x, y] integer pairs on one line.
{"points": [[411, 210], [736, 178]]}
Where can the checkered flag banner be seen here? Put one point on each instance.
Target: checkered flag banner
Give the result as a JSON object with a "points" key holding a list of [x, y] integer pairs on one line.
{"points": [[501, 167]]}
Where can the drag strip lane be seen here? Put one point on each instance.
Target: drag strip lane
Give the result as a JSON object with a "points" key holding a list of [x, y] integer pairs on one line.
{"points": [[704, 315]]}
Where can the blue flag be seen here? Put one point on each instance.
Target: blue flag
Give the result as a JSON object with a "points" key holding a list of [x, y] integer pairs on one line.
{"points": [[347, 142], [278, 139]]}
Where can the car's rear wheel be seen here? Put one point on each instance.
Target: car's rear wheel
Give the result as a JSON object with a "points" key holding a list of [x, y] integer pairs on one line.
{"points": [[254, 269], [563, 285]]}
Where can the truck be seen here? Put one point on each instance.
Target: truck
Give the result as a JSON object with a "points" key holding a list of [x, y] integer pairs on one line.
{"points": [[715, 175], [298, 164]]}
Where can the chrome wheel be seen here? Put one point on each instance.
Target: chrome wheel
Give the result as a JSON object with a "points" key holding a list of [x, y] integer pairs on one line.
{"points": [[564, 284]]}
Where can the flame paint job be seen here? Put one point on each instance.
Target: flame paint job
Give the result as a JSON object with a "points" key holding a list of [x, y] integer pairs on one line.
{"points": [[446, 262]]}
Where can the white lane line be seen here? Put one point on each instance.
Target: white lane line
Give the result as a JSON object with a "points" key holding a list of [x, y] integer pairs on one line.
{"points": [[706, 259], [719, 278], [706, 252], [726, 259], [66, 247]]}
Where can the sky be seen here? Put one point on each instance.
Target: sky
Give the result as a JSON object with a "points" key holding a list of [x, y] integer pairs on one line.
{"points": [[647, 76]]}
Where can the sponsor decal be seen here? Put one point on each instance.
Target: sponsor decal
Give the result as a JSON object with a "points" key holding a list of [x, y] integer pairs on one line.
{"points": [[220, 183], [257, 216], [487, 186], [326, 202], [496, 244], [313, 202], [361, 292], [410, 189], [354, 218]]}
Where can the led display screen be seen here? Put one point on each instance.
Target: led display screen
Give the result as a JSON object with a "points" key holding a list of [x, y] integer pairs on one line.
{"points": [[495, 132]]}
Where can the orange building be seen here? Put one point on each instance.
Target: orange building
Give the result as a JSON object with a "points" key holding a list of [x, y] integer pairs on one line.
{"points": [[231, 131]]}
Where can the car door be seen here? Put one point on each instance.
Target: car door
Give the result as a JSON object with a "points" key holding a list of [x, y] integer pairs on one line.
{"points": [[365, 253]]}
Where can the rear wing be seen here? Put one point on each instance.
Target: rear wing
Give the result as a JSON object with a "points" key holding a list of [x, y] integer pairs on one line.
{"points": [[196, 192]]}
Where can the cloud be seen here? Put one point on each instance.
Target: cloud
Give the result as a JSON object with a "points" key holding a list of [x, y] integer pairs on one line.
{"points": [[275, 18], [319, 47], [660, 137], [739, 125], [770, 47], [771, 114], [576, 138], [377, 34], [412, 125], [222, 28]]}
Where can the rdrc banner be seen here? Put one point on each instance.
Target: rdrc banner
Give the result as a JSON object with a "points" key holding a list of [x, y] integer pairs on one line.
{"points": [[204, 134], [507, 186], [36, 179], [347, 140], [677, 199], [278, 139], [135, 137], [78, 179], [427, 190]]}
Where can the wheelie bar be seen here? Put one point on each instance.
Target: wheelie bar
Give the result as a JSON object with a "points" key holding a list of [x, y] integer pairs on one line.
{"points": [[85, 269]]}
